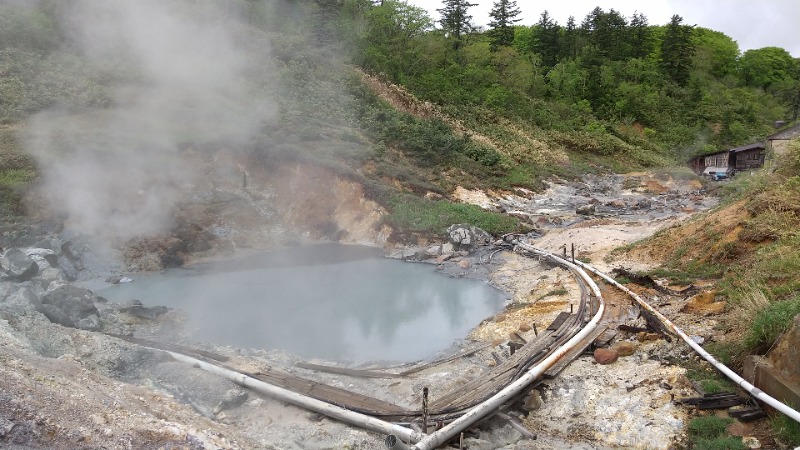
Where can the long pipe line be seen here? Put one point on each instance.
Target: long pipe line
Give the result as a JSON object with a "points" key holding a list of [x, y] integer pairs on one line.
{"points": [[754, 391], [341, 414], [442, 435]]}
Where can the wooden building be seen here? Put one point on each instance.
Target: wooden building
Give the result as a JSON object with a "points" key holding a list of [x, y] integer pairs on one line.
{"points": [[778, 142], [746, 157]]}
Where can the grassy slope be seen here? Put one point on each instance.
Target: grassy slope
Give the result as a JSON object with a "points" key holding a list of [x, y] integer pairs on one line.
{"points": [[751, 247]]}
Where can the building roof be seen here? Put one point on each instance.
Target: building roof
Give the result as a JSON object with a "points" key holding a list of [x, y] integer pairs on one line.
{"points": [[789, 133], [743, 148]]}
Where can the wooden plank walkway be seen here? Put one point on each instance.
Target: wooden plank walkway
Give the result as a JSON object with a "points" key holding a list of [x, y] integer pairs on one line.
{"points": [[331, 394]]}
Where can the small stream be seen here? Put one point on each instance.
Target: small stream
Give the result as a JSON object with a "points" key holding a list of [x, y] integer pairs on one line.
{"points": [[339, 303]]}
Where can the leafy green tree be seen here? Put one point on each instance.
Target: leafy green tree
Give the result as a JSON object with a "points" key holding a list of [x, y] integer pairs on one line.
{"points": [[456, 21], [677, 50], [504, 15], [391, 30], [765, 66], [715, 53]]}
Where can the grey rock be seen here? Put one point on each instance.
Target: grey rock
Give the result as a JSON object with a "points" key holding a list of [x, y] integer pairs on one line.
{"points": [[136, 308], [49, 275], [586, 210], [18, 266], [42, 254], [90, 322], [233, 398], [434, 250], [67, 305], [22, 301], [464, 236], [68, 269]]}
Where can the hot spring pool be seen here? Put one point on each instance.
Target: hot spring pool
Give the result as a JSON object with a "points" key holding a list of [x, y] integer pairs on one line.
{"points": [[339, 303]]}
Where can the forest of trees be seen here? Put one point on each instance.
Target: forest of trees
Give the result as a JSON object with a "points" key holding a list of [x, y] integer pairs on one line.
{"points": [[596, 84], [687, 88]]}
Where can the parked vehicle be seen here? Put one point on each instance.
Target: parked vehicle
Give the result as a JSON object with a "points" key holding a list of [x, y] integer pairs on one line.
{"points": [[719, 176]]}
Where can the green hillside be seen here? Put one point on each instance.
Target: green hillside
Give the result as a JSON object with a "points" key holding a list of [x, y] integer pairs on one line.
{"points": [[502, 107]]}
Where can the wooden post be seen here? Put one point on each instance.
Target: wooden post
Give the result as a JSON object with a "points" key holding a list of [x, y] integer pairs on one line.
{"points": [[573, 253], [425, 409]]}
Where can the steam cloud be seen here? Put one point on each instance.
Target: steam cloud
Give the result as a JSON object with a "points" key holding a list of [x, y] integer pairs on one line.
{"points": [[184, 75]]}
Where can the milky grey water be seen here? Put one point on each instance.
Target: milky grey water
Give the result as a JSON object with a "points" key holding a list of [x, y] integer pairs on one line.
{"points": [[333, 302]]}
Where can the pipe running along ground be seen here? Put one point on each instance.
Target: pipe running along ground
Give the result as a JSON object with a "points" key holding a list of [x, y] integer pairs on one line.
{"points": [[744, 384], [333, 411], [493, 404]]}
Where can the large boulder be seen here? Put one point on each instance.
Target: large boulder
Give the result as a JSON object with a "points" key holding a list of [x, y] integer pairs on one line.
{"points": [[467, 237], [18, 266], [69, 305]]}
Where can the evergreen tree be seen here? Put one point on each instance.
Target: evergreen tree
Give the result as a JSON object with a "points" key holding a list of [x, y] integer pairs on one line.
{"points": [[570, 43], [455, 21], [546, 39], [640, 36], [677, 50], [503, 14]]}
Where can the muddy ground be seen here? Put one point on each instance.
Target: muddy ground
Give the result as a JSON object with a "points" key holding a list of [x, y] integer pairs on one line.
{"points": [[66, 387]]}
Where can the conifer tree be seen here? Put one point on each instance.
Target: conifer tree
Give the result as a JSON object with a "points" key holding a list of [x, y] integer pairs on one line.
{"points": [[677, 51], [504, 15], [546, 39], [455, 21]]}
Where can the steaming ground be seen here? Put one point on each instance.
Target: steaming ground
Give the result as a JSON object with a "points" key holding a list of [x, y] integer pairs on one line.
{"points": [[181, 73], [64, 387]]}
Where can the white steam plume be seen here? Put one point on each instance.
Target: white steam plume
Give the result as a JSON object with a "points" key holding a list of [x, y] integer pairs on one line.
{"points": [[184, 75]]}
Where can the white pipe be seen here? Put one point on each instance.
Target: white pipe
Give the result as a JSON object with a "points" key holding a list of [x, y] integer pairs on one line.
{"points": [[754, 391], [303, 401], [442, 435]]}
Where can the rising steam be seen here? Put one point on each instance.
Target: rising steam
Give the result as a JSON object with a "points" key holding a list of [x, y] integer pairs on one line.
{"points": [[181, 73]]}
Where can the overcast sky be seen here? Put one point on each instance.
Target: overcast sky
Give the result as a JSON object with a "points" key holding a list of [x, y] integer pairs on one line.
{"points": [[751, 23]]}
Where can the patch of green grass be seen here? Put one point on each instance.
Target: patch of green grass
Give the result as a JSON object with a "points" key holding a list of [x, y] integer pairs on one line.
{"points": [[708, 427], [715, 386], [787, 429], [687, 273], [12, 182], [720, 443], [770, 323], [555, 292], [16, 177], [410, 213], [709, 433]]}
